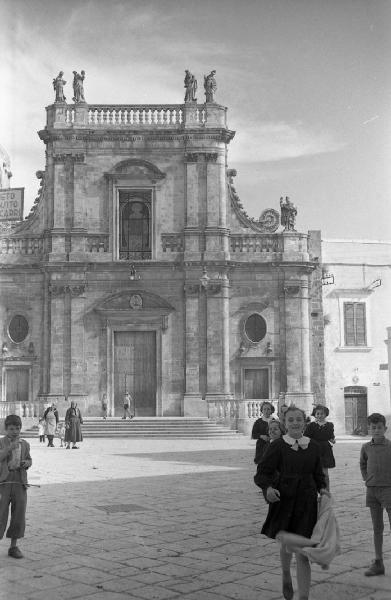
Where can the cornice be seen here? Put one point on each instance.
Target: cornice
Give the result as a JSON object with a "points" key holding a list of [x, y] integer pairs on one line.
{"points": [[88, 135]]}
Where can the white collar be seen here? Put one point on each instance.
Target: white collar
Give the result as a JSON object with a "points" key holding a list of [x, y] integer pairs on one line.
{"points": [[294, 443]]}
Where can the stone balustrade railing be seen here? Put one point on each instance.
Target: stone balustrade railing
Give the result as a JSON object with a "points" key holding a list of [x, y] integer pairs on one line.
{"points": [[98, 243], [237, 414], [253, 408], [136, 115], [23, 245], [256, 243], [23, 409]]}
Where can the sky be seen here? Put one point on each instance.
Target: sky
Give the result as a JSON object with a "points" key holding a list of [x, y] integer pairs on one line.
{"points": [[307, 84]]}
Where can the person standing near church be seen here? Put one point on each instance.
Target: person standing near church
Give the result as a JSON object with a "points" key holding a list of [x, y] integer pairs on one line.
{"points": [[73, 420], [51, 419], [128, 406]]}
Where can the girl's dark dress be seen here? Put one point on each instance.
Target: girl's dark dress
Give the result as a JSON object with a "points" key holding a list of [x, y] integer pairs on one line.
{"points": [[260, 427], [322, 434], [300, 478]]}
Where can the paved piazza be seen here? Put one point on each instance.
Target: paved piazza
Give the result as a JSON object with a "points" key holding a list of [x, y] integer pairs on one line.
{"points": [[160, 519]]}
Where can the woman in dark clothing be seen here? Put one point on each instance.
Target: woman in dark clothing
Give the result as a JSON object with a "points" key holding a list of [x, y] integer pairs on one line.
{"points": [[73, 420], [260, 431], [322, 432], [293, 500]]}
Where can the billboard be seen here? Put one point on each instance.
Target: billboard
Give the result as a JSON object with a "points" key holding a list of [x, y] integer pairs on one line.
{"points": [[11, 204]]}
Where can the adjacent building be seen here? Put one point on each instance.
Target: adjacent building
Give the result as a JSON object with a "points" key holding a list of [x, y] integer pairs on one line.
{"points": [[356, 304]]}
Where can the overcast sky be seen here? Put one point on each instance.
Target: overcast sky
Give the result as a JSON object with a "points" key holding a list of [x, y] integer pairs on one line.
{"points": [[307, 84]]}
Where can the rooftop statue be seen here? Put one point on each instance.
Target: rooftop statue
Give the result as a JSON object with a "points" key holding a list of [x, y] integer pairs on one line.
{"points": [[191, 87], [78, 89], [210, 86], [58, 84], [288, 214]]}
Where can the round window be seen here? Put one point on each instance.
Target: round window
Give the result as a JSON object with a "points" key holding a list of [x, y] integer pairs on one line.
{"points": [[18, 329], [255, 328]]}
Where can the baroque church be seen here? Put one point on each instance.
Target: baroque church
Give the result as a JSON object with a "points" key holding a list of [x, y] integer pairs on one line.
{"points": [[138, 270]]}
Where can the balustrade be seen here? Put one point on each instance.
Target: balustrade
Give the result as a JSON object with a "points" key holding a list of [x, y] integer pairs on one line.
{"points": [[256, 243], [253, 408], [98, 243], [136, 115], [26, 246], [23, 409]]}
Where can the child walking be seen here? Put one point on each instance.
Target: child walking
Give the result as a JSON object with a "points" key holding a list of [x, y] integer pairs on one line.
{"points": [[41, 429], [260, 430], [15, 459], [60, 432], [293, 503], [375, 465], [322, 431]]}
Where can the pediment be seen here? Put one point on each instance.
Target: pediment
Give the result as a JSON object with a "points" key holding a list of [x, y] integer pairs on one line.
{"points": [[135, 168], [135, 300]]}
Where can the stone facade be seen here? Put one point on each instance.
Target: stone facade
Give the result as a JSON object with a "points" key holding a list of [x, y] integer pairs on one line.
{"points": [[356, 374], [190, 304]]}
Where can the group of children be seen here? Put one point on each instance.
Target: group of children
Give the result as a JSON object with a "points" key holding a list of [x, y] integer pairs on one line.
{"points": [[291, 481], [292, 471], [60, 431]]}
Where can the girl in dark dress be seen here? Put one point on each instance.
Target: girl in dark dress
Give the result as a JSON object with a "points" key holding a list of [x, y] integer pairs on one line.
{"points": [[322, 431], [293, 500], [260, 430]]}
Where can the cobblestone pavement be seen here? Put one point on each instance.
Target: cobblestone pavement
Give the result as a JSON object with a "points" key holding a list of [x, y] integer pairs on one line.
{"points": [[161, 519]]}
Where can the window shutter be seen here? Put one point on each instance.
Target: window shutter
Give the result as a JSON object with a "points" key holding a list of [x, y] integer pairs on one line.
{"points": [[355, 324]]}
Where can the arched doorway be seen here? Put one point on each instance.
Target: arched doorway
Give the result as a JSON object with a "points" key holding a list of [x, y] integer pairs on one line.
{"points": [[356, 410]]}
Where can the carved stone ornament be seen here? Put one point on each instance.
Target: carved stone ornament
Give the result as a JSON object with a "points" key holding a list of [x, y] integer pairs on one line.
{"points": [[210, 157], [136, 301], [292, 290], [192, 289], [269, 220], [77, 290], [191, 157], [7, 226], [213, 289], [62, 158]]}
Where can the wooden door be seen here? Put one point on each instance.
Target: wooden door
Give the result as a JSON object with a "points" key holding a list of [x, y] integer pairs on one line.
{"points": [[17, 385], [135, 369], [256, 383], [356, 413]]}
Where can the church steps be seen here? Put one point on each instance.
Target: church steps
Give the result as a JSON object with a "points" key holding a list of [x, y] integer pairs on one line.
{"points": [[150, 427]]}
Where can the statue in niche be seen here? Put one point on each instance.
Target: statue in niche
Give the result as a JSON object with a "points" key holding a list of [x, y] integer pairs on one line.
{"points": [[210, 86], [288, 214], [58, 85], [78, 86], [190, 86]]}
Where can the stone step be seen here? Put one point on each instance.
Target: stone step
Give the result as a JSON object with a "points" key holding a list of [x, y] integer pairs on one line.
{"points": [[149, 427]]}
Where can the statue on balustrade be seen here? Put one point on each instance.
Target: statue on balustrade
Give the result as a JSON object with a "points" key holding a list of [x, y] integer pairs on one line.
{"points": [[288, 214], [191, 87], [210, 86], [58, 84], [78, 87]]}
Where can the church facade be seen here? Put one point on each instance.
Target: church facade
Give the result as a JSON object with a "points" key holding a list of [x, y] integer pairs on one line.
{"points": [[138, 271]]}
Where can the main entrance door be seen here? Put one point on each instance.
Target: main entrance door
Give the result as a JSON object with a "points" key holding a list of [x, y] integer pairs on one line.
{"points": [[135, 371], [256, 383], [356, 411], [17, 385]]}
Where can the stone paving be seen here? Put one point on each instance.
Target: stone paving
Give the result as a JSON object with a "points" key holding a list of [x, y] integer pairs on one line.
{"points": [[162, 519]]}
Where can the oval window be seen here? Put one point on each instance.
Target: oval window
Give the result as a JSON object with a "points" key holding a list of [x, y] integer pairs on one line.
{"points": [[18, 329], [255, 328]]}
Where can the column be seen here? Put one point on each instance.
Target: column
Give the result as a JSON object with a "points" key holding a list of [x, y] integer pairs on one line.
{"points": [[192, 225], [61, 184], [193, 404], [78, 209], [57, 322], [44, 382], [218, 373], [216, 232], [297, 331], [77, 343]]}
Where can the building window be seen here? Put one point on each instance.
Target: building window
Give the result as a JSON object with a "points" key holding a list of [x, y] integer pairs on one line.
{"points": [[135, 225], [18, 329], [355, 324], [255, 328]]}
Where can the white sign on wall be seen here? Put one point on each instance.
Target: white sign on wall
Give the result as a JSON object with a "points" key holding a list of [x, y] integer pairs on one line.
{"points": [[11, 204]]}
